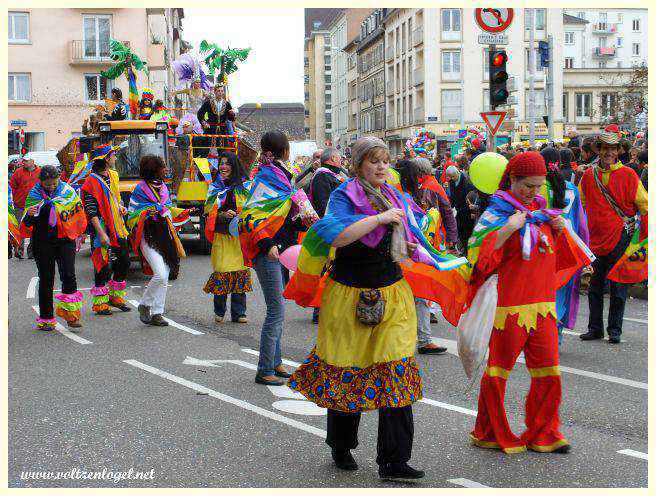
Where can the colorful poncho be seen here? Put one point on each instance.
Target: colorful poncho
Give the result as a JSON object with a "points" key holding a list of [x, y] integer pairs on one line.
{"points": [[81, 171], [502, 206], [14, 225], [432, 275], [65, 206], [269, 202], [110, 218], [216, 196]]}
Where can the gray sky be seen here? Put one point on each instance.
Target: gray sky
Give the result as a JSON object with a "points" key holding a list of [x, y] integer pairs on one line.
{"points": [[273, 71]]}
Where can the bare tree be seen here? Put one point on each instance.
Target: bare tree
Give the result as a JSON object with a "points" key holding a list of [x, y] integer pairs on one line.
{"points": [[630, 100]]}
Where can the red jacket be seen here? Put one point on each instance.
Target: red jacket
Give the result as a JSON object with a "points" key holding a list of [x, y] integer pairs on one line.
{"points": [[22, 181]]}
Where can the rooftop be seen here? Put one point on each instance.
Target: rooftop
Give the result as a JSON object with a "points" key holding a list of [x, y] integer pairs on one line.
{"points": [[570, 19]]}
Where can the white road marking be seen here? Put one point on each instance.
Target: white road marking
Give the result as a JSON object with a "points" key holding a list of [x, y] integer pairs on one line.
{"points": [[285, 392], [173, 323], [639, 321], [31, 287], [215, 363], [636, 454], [228, 399], [428, 401], [452, 347], [466, 483], [299, 407], [64, 331]]}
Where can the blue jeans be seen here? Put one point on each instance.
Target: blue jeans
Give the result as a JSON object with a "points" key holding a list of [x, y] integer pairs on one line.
{"points": [[269, 274], [237, 305]]}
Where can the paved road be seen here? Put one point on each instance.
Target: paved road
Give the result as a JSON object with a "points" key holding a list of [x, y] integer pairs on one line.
{"points": [[179, 403]]}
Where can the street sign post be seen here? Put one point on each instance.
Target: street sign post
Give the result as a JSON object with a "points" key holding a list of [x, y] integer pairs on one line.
{"points": [[493, 121], [18, 123]]}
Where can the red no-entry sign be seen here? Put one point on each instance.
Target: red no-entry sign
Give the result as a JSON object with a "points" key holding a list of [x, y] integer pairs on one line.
{"points": [[494, 20]]}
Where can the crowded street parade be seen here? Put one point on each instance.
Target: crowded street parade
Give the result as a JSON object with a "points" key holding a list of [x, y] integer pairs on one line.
{"points": [[208, 293]]}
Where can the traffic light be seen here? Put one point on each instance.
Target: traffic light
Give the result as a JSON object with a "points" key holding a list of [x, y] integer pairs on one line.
{"points": [[23, 151], [498, 78], [543, 48]]}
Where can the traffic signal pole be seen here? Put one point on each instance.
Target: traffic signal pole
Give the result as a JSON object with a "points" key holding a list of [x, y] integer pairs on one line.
{"points": [[493, 107], [550, 90], [531, 76]]}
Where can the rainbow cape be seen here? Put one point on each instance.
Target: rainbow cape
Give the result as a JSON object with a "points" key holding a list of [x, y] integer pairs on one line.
{"points": [[216, 196], [632, 266], [432, 275], [80, 172], [14, 226], [109, 208], [66, 211], [573, 252], [265, 210]]}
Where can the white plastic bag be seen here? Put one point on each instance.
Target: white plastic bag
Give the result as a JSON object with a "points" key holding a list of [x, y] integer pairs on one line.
{"points": [[475, 327]]}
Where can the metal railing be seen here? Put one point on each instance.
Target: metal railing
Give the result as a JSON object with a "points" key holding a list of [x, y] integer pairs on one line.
{"points": [[91, 51], [604, 52]]}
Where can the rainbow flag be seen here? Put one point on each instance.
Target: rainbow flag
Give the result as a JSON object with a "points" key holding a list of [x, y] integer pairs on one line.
{"points": [[432, 274], [264, 212], [216, 196], [632, 267], [66, 211], [14, 224], [80, 172], [133, 98]]}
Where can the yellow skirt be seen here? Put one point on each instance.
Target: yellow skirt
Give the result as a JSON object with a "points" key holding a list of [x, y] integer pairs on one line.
{"points": [[230, 274], [355, 367]]}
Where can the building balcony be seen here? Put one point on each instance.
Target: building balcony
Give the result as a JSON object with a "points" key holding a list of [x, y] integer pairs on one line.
{"points": [[390, 88], [389, 54], [604, 52], [417, 36], [418, 76], [604, 28], [419, 117], [91, 52]]}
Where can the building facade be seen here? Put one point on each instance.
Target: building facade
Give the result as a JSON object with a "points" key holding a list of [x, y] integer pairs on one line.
{"points": [[604, 51], [371, 74], [55, 57]]}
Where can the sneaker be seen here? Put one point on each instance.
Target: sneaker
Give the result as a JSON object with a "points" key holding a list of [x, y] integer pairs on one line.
{"points": [[74, 323], [344, 460], [431, 349], [563, 449], [242, 320], [121, 306], [158, 320], [589, 336], [399, 471], [106, 311], [218, 320], [144, 313]]}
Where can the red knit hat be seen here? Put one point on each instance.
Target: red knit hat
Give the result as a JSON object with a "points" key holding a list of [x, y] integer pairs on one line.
{"points": [[523, 165]]}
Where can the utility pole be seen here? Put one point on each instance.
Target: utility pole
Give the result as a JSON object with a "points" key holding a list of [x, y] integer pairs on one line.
{"points": [[462, 78], [493, 107], [531, 75], [549, 93]]}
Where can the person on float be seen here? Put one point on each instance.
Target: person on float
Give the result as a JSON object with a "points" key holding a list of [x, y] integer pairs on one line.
{"points": [[230, 276], [217, 116], [121, 111], [146, 104], [55, 216], [523, 243], [617, 208], [110, 249]]}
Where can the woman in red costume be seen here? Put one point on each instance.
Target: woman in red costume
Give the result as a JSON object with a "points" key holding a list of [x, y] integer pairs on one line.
{"points": [[528, 248]]}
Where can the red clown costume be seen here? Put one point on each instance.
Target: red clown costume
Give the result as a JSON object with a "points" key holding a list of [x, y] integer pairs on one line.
{"points": [[525, 318]]}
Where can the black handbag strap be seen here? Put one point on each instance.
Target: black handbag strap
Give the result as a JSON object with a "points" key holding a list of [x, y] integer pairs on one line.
{"points": [[629, 222]]}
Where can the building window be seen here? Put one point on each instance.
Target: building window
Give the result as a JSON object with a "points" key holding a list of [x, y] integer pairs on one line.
{"points": [[451, 105], [636, 24], [569, 62], [486, 64], [569, 38], [536, 59], [620, 18], [326, 40], [19, 87], [326, 79], [620, 42], [540, 19], [540, 106], [581, 15], [602, 64], [96, 87], [326, 59], [636, 49], [608, 103], [19, 27], [565, 107], [96, 35], [450, 20], [603, 17], [583, 105], [451, 65]]}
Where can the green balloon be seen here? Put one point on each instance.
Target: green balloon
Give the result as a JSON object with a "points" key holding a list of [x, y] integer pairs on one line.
{"points": [[486, 170]]}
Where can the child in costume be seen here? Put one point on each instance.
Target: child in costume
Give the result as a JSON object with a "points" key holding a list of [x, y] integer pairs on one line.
{"points": [[146, 104], [54, 214], [109, 236]]}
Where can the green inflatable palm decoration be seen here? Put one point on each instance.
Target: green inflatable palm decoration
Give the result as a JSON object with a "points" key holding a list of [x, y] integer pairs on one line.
{"points": [[124, 57], [222, 61]]}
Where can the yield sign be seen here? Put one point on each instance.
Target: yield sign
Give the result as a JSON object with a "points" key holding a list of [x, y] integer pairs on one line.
{"points": [[493, 120]]}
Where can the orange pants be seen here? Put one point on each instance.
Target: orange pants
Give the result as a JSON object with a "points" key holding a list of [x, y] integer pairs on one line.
{"points": [[541, 352]]}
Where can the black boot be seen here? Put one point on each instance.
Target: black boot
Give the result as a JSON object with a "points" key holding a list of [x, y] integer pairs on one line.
{"points": [[399, 471], [344, 460]]}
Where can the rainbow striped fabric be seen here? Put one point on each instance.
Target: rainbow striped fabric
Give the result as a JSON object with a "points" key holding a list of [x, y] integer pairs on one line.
{"points": [[80, 172], [216, 196], [432, 274], [632, 267], [264, 212], [66, 211], [133, 98], [14, 224]]}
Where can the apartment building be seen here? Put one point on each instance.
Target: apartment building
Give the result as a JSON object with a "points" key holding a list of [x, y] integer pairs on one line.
{"points": [[601, 48], [55, 57]]}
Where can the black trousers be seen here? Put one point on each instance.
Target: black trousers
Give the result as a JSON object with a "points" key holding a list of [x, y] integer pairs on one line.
{"points": [[46, 254], [117, 269], [395, 433]]}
